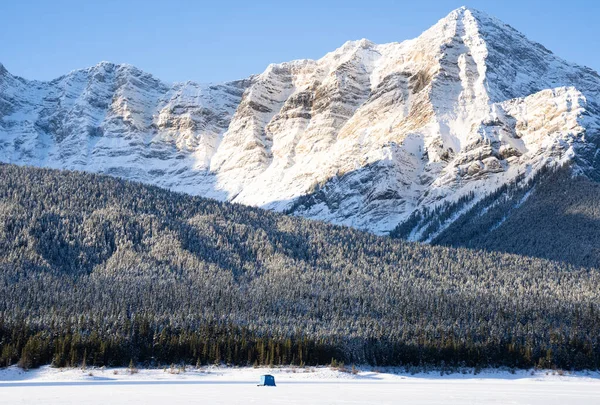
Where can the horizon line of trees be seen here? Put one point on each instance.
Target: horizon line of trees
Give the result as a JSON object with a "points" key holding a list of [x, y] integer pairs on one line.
{"points": [[238, 346]]}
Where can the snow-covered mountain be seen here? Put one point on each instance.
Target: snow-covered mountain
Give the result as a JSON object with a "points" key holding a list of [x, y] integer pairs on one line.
{"points": [[365, 136]]}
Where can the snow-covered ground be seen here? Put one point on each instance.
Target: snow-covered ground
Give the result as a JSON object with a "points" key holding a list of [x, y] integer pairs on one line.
{"points": [[215, 385]]}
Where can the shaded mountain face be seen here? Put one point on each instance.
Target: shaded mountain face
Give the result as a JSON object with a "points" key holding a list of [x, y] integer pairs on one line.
{"points": [[556, 217], [369, 136]]}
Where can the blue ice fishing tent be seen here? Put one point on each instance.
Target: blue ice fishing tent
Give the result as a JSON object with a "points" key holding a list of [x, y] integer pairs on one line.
{"points": [[267, 380]]}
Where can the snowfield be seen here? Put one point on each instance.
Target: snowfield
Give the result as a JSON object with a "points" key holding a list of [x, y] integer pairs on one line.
{"points": [[214, 385]]}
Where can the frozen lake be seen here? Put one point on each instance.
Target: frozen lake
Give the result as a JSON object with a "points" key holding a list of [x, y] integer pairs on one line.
{"points": [[294, 386]]}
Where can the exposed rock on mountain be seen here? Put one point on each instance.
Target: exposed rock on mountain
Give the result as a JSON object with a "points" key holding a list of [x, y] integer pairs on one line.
{"points": [[368, 136]]}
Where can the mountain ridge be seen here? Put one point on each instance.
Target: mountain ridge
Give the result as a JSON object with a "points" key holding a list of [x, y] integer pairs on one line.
{"points": [[365, 136]]}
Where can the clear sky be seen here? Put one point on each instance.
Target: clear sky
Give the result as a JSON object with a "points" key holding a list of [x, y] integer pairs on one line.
{"points": [[212, 41]]}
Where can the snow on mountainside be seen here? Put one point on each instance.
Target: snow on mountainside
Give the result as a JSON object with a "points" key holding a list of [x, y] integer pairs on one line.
{"points": [[364, 136]]}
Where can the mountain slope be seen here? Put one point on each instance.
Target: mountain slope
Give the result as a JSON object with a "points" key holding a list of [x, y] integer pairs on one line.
{"points": [[105, 271], [558, 218], [366, 136], [117, 120]]}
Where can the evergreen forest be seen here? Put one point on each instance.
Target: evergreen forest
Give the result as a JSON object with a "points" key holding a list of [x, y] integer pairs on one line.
{"points": [[100, 271]]}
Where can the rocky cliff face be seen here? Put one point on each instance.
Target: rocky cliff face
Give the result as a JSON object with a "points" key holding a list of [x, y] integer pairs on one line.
{"points": [[365, 136]]}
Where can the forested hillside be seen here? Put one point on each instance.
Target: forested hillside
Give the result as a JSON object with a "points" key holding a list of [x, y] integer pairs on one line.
{"points": [[103, 271], [557, 219]]}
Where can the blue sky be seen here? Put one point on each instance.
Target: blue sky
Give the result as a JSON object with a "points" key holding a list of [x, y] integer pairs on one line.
{"points": [[224, 40]]}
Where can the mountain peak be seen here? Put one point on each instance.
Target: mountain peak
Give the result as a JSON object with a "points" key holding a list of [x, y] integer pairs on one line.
{"points": [[362, 43], [106, 67], [465, 11], [456, 24], [484, 22], [351, 46], [109, 66], [471, 10]]}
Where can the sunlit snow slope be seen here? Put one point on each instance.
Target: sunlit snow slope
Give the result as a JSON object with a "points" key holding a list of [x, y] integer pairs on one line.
{"points": [[364, 136]]}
